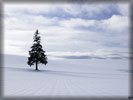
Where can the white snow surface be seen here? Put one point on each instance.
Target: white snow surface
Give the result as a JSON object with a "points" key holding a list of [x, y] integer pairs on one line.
{"points": [[66, 78]]}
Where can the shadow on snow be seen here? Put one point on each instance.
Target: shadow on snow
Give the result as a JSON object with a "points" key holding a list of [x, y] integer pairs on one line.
{"points": [[65, 73]]}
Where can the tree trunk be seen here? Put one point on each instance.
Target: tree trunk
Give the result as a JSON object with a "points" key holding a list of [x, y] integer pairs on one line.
{"points": [[36, 66]]}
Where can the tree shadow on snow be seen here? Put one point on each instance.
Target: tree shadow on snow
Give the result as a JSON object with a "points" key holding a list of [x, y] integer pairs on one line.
{"points": [[66, 73]]}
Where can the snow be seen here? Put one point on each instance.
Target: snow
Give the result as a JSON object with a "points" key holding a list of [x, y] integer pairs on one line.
{"points": [[66, 78]]}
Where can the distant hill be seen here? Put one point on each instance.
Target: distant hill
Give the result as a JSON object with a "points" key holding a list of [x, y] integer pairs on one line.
{"points": [[14, 60]]}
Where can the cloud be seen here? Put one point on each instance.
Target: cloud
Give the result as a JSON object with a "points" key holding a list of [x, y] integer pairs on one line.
{"points": [[99, 54], [116, 23], [124, 8], [77, 57], [74, 56], [84, 10], [78, 22], [110, 24], [22, 22], [72, 33]]}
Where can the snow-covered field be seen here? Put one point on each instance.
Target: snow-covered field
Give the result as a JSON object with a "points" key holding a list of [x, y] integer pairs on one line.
{"points": [[66, 78]]}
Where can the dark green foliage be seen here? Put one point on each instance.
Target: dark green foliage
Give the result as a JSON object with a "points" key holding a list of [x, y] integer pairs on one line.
{"points": [[37, 54]]}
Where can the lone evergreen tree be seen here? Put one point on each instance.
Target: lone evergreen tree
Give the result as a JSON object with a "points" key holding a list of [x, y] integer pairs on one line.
{"points": [[37, 54]]}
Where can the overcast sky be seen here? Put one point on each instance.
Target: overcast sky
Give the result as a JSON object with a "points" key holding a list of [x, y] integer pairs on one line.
{"points": [[68, 30]]}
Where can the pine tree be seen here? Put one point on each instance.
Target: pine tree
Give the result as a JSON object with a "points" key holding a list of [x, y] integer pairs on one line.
{"points": [[37, 54]]}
